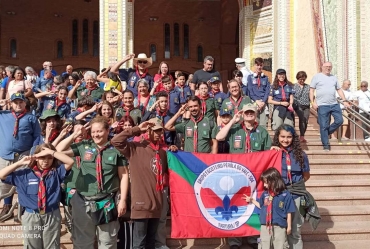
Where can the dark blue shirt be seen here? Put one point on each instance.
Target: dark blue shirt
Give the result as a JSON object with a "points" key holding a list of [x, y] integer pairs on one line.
{"points": [[277, 94], [296, 170], [174, 101], [185, 93], [75, 113], [282, 204], [4, 82], [258, 93], [27, 184], [28, 134], [134, 78], [219, 98], [49, 103]]}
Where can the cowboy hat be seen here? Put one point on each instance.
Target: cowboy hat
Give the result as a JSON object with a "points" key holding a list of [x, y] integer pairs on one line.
{"points": [[143, 57]]}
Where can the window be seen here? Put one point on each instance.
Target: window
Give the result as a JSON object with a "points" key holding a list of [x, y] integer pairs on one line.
{"points": [[74, 37], [96, 38], [167, 41], [176, 33], [200, 53], [59, 49], [85, 36], [153, 52], [13, 48], [186, 41]]}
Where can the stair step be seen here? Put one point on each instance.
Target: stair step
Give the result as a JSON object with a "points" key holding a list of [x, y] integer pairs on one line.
{"points": [[344, 198], [350, 163], [335, 173], [338, 154], [345, 213], [345, 244], [314, 144], [339, 185], [339, 230]]}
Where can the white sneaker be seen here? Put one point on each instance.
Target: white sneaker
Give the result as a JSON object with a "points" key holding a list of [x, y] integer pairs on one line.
{"points": [[367, 139]]}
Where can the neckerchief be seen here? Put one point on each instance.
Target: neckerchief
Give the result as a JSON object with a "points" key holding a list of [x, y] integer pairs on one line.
{"points": [[53, 136], [90, 89], [141, 75], [283, 95], [128, 110], [59, 102], [41, 195], [16, 124], [213, 92], [80, 109], [248, 147], [269, 212], [145, 103], [195, 136], [156, 147], [236, 104], [258, 81], [181, 88], [288, 163], [99, 168], [204, 103], [161, 115]]}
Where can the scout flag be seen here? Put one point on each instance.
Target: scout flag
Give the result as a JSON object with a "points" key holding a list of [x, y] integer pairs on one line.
{"points": [[207, 190]]}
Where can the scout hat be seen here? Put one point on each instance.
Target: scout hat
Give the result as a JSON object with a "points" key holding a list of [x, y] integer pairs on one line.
{"points": [[225, 112], [249, 107], [215, 79], [17, 96], [157, 123], [48, 113], [143, 57]]}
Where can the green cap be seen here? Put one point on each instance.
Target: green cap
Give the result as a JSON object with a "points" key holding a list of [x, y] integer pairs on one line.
{"points": [[48, 113]]}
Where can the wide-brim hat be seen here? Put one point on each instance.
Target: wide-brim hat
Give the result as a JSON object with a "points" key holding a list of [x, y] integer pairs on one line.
{"points": [[157, 124], [249, 107], [48, 113], [143, 57]]}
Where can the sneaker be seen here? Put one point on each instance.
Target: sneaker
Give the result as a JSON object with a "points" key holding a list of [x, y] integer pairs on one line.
{"points": [[326, 149], [5, 211]]}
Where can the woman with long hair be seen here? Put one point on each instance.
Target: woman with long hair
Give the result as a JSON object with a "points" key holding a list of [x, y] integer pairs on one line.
{"points": [[51, 126], [281, 96], [302, 103], [163, 70], [295, 171]]}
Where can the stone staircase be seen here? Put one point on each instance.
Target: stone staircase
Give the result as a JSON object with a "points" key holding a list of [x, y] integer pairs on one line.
{"points": [[340, 183]]}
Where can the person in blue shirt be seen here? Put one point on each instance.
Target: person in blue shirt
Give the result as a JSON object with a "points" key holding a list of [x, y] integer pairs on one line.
{"points": [[259, 90], [43, 83], [216, 93], [39, 192], [9, 70], [174, 100], [56, 101], [182, 88], [282, 97], [47, 65], [295, 169], [276, 208], [85, 104], [19, 131]]}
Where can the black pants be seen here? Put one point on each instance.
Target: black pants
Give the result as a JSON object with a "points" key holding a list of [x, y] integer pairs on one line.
{"points": [[364, 126], [144, 233], [303, 114]]}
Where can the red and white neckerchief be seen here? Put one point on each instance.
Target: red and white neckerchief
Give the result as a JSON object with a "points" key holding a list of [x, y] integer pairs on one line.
{"points": [[288, 164], [195, 136], [143, 74], [16, 124], [145, 103], [203, 100], [248, 147], [90, 89], [158, 164], [269, 212], [128, 110], [283, 95], [41, 194], [236, 104]]}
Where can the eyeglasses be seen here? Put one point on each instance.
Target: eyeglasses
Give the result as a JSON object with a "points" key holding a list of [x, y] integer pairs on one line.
{"points": [[142, 62], [363, 86]]}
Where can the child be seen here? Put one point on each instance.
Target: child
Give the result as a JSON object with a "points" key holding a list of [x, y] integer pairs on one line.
{"points": [[55, 101], [215, 92], [182, 88], [224, 146], [39, 192], [85, 104], [276, 206]]}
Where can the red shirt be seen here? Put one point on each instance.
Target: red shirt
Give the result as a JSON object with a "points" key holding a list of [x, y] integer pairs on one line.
{"points": [[160, 85]]}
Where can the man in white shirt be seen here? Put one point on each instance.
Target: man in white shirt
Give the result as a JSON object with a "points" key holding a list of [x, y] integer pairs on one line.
{"points": [[349, 96], [240, 65], [363, 97]]}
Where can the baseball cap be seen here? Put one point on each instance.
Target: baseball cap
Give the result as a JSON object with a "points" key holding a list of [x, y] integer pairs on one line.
{"points": [[249, 107], [239, 60], [280, 71], [225, 112], [214, 79], [17, 96], [157, 123]]}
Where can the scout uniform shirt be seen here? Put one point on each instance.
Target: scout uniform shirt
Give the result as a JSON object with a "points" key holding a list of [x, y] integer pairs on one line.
{"points": [[174, 101], [135, 114], [258, 91], [86, 182], [211, 107], [206, 132], [50, 103], [259, 139], [277, 94], [235, 106], [95, 94], [219, 98], [185, 93]]}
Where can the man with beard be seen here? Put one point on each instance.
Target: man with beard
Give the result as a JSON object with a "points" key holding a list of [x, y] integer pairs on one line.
{"points": [[199, 132]]}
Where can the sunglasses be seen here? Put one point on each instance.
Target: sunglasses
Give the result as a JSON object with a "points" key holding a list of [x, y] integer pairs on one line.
{"points": [[142, 62]]}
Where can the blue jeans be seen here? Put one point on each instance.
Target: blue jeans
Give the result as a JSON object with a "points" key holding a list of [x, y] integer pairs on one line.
{"points": [[324, 113]]}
